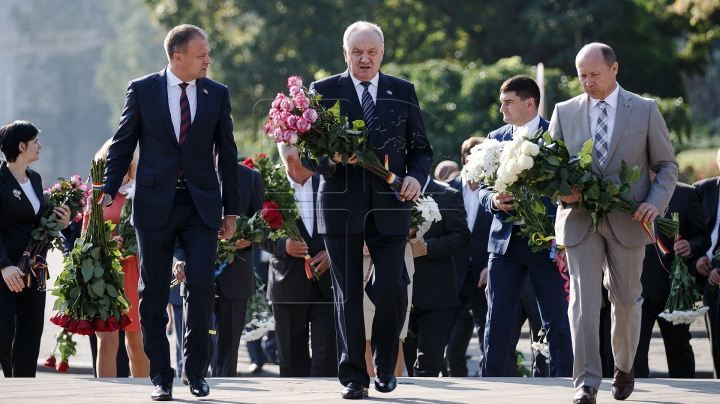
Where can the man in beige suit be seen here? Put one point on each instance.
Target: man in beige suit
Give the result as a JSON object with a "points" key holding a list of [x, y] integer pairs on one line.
{"points": [[623, 126]]}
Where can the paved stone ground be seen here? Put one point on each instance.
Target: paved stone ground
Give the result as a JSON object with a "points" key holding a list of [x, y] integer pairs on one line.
{"points": [[81, 363]]}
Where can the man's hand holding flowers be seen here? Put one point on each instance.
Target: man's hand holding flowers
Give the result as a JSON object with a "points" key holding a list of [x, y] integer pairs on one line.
{"points": [[242, 243], [297, 249], [321, 261], [503, 202], [411, 189]]}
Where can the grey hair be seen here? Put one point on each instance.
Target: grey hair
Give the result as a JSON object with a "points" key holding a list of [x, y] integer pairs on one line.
{"points": [[608, 53], [362, 25], [287, 150], [178, 38]]}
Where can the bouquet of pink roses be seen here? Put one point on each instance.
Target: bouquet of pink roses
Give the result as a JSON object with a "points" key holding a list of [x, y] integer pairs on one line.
{"points": [[301, 120]]}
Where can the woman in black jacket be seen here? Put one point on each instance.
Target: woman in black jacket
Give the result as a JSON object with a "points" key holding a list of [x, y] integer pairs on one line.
{"points": [[21, 204]]}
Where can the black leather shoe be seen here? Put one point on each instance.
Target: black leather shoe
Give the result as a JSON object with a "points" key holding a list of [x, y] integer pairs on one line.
{"points": [[198, 385], [354, 390], [585, 395], [385, 384], [162, 392]]}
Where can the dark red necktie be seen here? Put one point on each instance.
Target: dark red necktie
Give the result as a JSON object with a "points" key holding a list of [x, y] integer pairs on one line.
{"points": [[184, 120]]}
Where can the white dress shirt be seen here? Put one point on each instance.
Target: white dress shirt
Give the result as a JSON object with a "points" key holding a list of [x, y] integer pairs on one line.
{"points": [[611, 108], [29, 192], [372, 88], [714, 234], [174, 91], [531, 126], [304, 198], [472, 203]]}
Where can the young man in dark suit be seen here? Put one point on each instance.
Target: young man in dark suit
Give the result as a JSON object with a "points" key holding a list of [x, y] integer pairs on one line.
{"points": [[179, 118], [357, 206], [301, 304], [511, 259], [694, 243], [435, 292]]}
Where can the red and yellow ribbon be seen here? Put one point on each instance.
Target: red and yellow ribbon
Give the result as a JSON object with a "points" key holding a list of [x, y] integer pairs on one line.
{"points": [[652, 232]]}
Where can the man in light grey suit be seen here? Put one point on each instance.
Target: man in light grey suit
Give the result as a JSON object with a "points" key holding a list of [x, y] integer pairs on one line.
{"points": [[624, 127]]}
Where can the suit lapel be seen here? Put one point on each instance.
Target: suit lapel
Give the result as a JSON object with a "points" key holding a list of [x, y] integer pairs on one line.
{"points": [[200, 106], [349, 98], [37, 186], [621, 118], [384, 97], [161, 99], [315, 185], [13, 185]]}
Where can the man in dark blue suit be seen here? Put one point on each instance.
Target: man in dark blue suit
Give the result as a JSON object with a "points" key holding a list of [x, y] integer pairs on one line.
{"points": [[511, 259], [471, 272], [180, 119], [358, 206]]}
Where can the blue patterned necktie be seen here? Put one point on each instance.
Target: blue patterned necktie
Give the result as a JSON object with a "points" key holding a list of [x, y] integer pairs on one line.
{"points": [[601, 135], [368, 106]]}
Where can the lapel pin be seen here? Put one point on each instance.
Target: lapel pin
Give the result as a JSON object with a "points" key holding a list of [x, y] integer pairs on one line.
{"points": [[205, 90], [388, 92], [626, 105], [16, 192]]}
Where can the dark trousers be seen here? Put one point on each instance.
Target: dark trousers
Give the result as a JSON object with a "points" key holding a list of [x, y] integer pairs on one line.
{"points": [[229, 324], [295, 325], [679, 352], [527, 310], [424, 346], [22, 316], [712, 324], [199, 243], [506, 280], [179, 335], [388, 291], [468, 316]]}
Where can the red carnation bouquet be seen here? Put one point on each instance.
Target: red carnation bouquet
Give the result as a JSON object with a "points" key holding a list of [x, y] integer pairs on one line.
{"points": [[280, 210], [302, 120], [90, 289], [71, 193]]}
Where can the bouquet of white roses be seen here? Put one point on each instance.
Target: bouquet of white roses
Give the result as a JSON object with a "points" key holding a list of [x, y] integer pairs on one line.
{"points": [[423, 214]]}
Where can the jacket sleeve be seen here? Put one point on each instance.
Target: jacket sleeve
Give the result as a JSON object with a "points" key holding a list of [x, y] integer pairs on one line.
{"points": [[124, 143], [456, 238], [699, 238], [275, 247], [226, 149], [419, 153]]}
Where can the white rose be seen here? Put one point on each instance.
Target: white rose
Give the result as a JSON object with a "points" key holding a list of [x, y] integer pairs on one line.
{"points": [[525, 162]]}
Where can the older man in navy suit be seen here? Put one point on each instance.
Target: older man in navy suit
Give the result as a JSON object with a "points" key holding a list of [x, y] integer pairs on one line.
{"points": [[180, 119], [358, 206], [511, 259]]}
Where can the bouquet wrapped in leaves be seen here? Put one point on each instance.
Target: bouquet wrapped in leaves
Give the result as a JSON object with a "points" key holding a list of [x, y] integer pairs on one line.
{"points": [[280, 210], [90, 293], [71, 193], [684, 304], [65, 344], [301, 119], [258, 316]]}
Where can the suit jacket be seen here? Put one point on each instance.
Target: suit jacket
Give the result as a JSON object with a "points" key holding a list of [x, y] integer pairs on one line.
{"points": [[686, 202], [17, 217], [435, 281], [237, 280], [348, 192], [146, 120], [708, 190], [478, 251], [640, 138], [500, 231], [287, 282]]}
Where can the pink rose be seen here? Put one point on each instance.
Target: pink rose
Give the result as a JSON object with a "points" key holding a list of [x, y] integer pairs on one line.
{"points": [[301, 101], [273, 112], [302, 125], [293, 138], [291, 121], [268, 128], [278, 99], [294, 81], [287, 105], [295, 90], [288, 136], [278, 135], [310, 115]]}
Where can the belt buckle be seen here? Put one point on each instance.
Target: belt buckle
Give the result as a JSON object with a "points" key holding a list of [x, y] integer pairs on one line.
{"points": [[181, 184]]}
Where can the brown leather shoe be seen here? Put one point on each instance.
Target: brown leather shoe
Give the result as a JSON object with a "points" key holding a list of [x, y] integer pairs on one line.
{"points": [[585, 395], [623, 383]]}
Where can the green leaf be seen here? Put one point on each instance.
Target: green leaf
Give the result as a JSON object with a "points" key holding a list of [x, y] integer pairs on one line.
{"points": [[335, 110], [87, 269], [95, 253], [98, 272], [593, 192], [358, 124], [565, 189], [75, 292], [587, 149], [98, 287], [111, 291], [553, 160], [91, 311]]}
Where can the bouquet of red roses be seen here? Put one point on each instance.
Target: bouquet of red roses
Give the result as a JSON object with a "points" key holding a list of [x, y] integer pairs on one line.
{"points": [[280, 210], [90, 289], [71, 193], [65, 344], [302, 120]]}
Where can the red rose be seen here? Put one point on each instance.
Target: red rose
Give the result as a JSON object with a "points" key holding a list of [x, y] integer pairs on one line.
{"points": [[262, 155], [124, 321], [84, 328], [60, 319], [72, 326], [99, 325], [248, 163], [112, 324], [63, 366], [271, 215], [50, 362]]}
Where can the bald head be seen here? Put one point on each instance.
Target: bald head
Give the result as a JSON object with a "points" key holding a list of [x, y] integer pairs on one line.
{"points": [[597, 70], [597, 49]]}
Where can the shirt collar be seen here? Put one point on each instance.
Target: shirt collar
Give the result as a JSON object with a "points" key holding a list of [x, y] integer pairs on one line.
{"points": [[172, 79], [294, 184], [531, 126], [374, 81], [611, 100]]}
